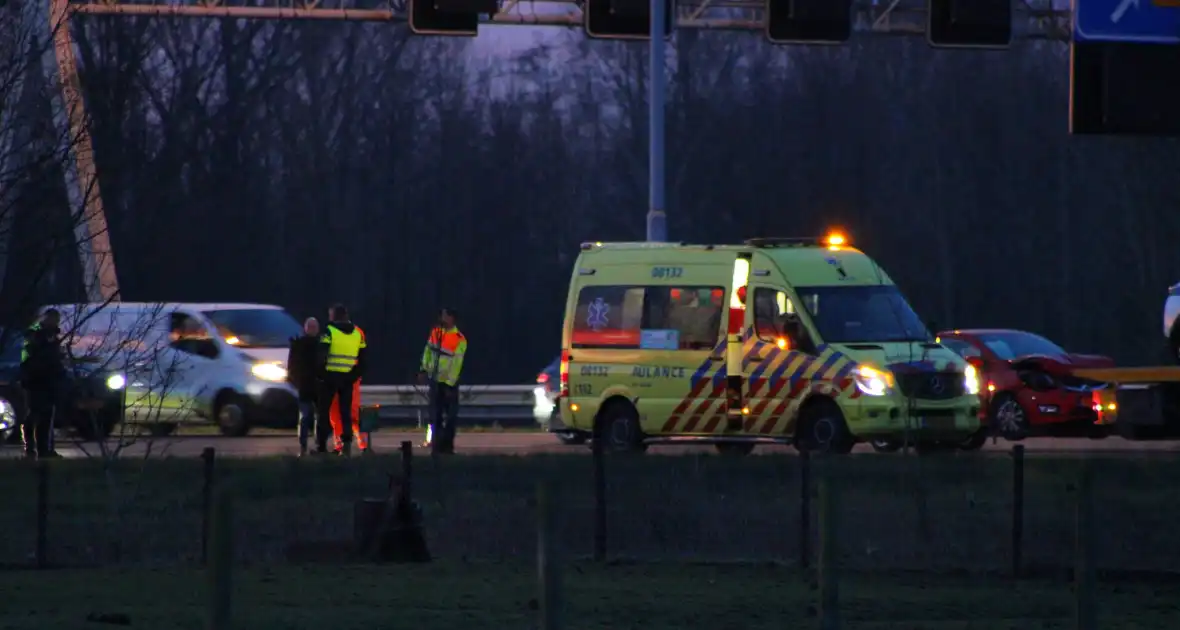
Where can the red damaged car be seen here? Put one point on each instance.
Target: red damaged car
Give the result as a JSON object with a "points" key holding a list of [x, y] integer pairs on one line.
{"points": [[1027, 387]]}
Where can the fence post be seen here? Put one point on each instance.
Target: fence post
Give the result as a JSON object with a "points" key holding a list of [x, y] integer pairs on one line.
{"points": [[829, 587], [41, 554], [208, 454], [599, 499], [220, 570], [407, 450], [805, 508], [1084, 570], [1017, 510], [548, 567]]}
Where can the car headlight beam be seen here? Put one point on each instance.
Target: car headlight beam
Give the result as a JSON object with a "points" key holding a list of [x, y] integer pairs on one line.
{"points": [[7, 415], [269, 372], [871, 381], [116, 381], [971, 379]]}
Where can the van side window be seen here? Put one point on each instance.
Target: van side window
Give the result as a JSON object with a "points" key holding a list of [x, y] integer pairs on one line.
{"points": [[693, 312], [608, 317], [189, 335]]}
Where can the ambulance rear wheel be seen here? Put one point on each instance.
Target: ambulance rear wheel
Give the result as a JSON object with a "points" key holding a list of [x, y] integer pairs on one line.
{"points": [[618, 429], [822, 429], [735, 448], [570, 438], [885, 445]]}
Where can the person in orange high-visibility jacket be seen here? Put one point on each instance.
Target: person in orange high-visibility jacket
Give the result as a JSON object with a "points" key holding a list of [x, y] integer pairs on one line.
{"points": [[362, 439], [442, 362]]}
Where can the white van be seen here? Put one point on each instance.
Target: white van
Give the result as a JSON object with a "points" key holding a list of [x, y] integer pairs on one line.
{"points": [[221, 363]]}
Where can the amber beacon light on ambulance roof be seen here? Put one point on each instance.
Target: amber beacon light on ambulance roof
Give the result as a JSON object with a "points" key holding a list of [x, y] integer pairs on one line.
{"points": [[834, 240]]}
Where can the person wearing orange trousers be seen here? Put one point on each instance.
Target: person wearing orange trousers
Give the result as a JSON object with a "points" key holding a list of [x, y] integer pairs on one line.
{"points": [[362, 439]]}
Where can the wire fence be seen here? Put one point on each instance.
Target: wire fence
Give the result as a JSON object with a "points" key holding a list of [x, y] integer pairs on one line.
{"points": [[997, 514]]}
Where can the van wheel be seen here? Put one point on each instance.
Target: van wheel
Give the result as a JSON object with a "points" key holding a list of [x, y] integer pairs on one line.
{"points": [[93, 427], [618, 428], [230, 412], [822, 429]]}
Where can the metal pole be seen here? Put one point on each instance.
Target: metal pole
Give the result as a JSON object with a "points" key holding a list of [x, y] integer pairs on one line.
{"points": [[657, 228], [48, 21]]}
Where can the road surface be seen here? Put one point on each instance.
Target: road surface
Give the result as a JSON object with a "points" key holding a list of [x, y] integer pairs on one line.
{"points": [[521, 443]]}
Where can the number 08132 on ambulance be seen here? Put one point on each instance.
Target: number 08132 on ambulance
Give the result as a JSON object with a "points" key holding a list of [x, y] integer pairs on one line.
{"points": [[803, 341]]}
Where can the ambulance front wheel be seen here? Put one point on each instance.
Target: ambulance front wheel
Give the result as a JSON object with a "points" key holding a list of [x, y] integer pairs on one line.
{"points": [[822, 429], [618, 428]]}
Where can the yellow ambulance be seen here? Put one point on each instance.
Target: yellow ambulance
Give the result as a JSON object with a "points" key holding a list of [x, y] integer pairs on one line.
{"points": [[777, 340]]}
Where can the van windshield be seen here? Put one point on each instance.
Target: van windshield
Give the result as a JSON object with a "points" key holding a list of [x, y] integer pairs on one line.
{"points": [[255, 327], [862, 314]]}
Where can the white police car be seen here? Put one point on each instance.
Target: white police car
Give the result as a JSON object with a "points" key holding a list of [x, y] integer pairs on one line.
{"points": [[1171, 323]]}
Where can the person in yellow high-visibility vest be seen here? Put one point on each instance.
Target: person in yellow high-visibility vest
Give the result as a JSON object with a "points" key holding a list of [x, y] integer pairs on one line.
{"points": [[342, 357], [442, 362], [362, 439]]}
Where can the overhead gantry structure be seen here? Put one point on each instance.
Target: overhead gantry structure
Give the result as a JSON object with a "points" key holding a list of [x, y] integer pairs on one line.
{"points": [[1031, 19], [1036, 19]]}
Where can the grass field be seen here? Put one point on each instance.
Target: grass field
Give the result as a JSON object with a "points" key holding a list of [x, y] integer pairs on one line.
{"points": [[940, 513], [466, 596]]}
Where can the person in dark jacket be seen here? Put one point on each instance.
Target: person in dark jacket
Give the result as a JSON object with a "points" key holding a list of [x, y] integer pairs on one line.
{"points": [[302, 374], [342, 362], [42, 374]]}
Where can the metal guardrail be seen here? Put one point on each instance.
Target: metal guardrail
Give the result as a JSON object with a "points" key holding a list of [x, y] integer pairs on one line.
{"points": [[506, 404]]}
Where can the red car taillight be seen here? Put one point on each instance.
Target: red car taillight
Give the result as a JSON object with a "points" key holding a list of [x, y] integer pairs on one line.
{"points": [[542, 378]]}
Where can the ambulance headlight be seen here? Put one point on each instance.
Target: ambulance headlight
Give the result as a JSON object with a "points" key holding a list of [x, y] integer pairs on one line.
{"points": [[971, 379], [269, 372], [871, 381], [116, 381]]}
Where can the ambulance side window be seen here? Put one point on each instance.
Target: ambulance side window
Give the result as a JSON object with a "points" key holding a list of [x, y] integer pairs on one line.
{"points": [[693, 312], [608, 317]]}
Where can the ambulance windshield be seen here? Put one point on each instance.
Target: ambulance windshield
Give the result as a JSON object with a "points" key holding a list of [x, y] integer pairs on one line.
{"points": [[862, 314]]}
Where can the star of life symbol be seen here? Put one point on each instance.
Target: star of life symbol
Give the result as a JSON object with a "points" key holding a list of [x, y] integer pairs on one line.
{"points": [[596, 314]]}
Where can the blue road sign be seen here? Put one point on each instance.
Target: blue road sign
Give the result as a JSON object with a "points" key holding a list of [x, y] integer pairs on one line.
{"points": [[1141, 21]]}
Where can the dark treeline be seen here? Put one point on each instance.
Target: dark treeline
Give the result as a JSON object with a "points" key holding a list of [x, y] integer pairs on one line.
{"points": [[308, 163]]}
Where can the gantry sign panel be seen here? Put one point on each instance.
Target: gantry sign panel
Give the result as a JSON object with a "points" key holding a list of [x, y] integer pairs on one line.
{"points": [[1125, 68]]}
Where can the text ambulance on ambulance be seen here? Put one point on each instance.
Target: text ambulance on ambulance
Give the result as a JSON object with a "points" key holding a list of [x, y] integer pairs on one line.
{"points": [[805, 341]]}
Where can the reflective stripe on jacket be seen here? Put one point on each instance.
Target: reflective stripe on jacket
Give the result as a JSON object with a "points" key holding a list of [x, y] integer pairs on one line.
{"points": [[444, 352], [343, 349], [24, 345]]}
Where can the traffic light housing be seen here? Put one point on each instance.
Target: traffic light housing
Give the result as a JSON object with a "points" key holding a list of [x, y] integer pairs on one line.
{"points": [[808, 21], [449, 17], [624, 19], [969, 23], [1118, 88]]}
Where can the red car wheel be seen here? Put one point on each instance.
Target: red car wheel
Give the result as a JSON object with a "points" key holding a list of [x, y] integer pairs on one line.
{"points": [[1009, 418]]}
